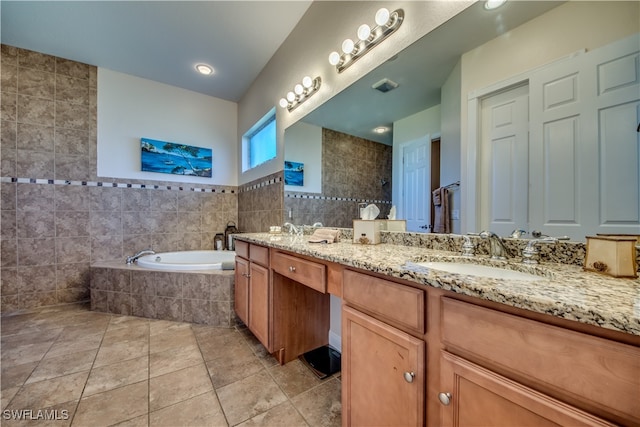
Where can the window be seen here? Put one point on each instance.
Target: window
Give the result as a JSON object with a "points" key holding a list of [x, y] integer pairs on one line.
{"points": [[260, 142]]}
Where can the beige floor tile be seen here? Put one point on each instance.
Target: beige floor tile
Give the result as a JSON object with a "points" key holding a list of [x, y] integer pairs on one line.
{"points": [[126, 350], [162, 326], [85, 343], [113, 406], [116, 375], [141, 421], [283, 415], [171, 338], [174, 359], [202, 410], [321, 406], [74, 332], [8, 394], [16, 375], [63, 365], [47, 335], [177, 386], [127, 321], [50, 392], [249, 397], [232, 363], [133, 332], [25, 353], [294, 378]]}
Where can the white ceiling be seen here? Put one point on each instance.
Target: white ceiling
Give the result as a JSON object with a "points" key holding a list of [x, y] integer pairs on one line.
{"points": [[158, 40]]}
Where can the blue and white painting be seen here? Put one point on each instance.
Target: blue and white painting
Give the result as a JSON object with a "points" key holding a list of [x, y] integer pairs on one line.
{"points": [[177, 159], [293, 173]]}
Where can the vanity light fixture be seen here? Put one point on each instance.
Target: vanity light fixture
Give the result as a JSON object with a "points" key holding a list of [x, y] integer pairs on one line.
{"points": [[301, 92], [386, 23], [204, 69]]}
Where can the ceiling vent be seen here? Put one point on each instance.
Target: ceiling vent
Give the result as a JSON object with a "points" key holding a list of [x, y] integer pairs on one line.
{"points": [[385, 85]]}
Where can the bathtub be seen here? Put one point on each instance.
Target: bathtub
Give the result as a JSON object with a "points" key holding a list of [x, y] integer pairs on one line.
{"points": [[187, 260]]}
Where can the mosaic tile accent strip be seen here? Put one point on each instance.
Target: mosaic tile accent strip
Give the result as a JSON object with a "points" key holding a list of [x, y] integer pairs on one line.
{"points": [[6, 179], [291, 195]]}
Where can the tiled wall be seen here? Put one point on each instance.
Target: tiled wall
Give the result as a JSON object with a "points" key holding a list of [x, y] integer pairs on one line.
{"points": [[260, 203], [57, 215], [353, 170]]}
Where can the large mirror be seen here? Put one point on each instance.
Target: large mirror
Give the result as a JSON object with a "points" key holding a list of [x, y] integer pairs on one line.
{"points": [[419, 100]]}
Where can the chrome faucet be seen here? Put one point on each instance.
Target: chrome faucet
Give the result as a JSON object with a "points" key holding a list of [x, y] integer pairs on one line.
{"points": [[134, 258], [292, 229], [530, 252], [516, 234], [497, 249]]}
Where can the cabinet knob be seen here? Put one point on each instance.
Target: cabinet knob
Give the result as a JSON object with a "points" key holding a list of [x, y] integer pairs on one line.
{"points": [[409, 376], [445, 398], [292, 268]]}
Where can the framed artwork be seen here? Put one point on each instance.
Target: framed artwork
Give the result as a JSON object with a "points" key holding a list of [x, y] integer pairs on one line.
{"points": [[293, 173], [177, 159]]}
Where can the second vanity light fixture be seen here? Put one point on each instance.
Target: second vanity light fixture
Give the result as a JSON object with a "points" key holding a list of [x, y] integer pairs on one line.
{"points": [[386, 23], [300, 93]]}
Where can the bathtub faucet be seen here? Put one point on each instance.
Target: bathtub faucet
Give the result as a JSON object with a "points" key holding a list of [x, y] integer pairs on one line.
{"points": [[134, 258]]}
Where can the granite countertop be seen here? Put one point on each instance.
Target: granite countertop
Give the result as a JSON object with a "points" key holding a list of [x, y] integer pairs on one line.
{"points": [[565, 291]]}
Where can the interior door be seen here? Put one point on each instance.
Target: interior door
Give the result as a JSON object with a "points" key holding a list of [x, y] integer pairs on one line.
{"points": [[504, 160], [416, 193]]}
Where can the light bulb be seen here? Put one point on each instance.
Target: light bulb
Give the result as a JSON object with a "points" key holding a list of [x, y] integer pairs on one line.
{"points": [[291, 96], [334, 58], [382, 16], [307, 82], [283, 103], [364, 32], [298, 89], [204, 69], [347, 46], [493, 4]]}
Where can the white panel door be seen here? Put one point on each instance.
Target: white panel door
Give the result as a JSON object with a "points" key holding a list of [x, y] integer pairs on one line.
{"points": [[584, 144], [504, 161], [416, 185]]}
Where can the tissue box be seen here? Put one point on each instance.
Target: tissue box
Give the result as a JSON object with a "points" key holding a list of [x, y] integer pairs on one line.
{"points": [[367, 231], [395, 224], [612, 255]]}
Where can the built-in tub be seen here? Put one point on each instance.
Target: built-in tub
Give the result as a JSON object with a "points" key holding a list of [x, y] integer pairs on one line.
{"points": [[179, 290], [187, 260]]}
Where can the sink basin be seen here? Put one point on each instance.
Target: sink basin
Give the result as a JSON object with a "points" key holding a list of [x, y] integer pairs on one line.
{"points": [[480, 270]]}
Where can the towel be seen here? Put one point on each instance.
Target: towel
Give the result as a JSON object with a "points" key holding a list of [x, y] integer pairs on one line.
{"points": [[441, 210], [324, 235]]}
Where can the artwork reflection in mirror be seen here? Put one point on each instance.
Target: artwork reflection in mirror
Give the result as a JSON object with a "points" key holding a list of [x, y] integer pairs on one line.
{"points": [[352, 169], [293, 173]]}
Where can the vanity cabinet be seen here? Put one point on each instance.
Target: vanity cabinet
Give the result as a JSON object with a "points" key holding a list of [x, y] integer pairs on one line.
{"points": [[502, 369], [252, 290], [383, 365]]}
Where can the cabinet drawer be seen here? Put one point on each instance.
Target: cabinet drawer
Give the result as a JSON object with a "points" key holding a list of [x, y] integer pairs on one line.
{"points": [[259, 254], [401, 305], [309, 273], [242, 249], [598, 372]]}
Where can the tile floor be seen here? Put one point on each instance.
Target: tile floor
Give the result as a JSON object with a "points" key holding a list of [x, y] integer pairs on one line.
{"points": [[95, 369]]}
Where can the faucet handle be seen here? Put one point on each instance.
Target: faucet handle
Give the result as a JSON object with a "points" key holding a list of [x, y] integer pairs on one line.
{"points": [[468, 250], [530, 252]]}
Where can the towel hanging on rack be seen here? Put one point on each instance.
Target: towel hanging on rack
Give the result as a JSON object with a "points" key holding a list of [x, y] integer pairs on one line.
{"points": [[441, 210]]}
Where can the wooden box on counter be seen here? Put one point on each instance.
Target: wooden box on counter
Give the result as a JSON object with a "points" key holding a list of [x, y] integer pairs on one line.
{"points": [[612, 255]]}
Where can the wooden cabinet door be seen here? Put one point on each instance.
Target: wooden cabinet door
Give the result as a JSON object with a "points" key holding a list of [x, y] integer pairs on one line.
{"points": [[241, 290], [383, 378], [479, 397], [259, 303]]}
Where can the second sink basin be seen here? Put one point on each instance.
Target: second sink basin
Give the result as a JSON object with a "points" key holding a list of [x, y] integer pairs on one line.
{"points": [[480, 270]]}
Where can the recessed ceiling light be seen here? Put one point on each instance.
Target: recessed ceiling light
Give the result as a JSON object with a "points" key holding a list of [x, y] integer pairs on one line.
{"points": [[493, 4], [204, 69], [380, 129]]}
